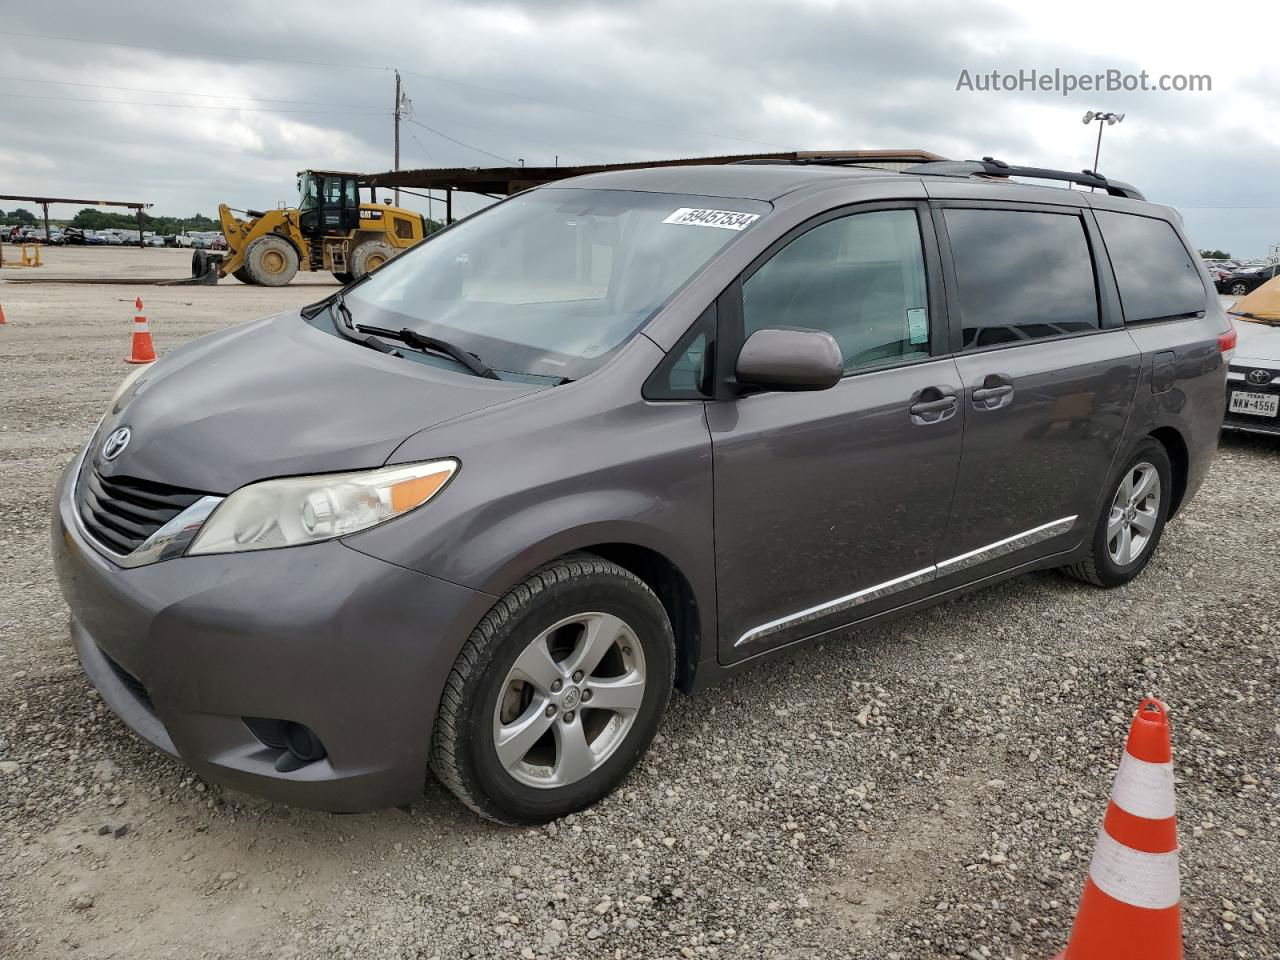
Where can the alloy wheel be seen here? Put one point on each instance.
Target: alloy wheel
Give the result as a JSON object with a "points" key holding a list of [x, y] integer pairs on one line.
{"points": [[1134, 512], [569, 700]]}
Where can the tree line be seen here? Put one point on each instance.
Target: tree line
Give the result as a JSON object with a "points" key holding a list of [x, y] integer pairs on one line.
{"points": [[91, 219]]}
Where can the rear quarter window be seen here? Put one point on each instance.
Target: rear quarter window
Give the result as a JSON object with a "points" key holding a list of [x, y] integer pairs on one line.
{"points": [[1156, 275]]}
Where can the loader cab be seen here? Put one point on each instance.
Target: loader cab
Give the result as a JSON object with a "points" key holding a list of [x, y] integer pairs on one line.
{"points": [[328, 203]]}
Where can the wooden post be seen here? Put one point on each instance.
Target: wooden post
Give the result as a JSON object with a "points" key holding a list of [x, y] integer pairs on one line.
{"points": [[47, 238], [140, 241]]}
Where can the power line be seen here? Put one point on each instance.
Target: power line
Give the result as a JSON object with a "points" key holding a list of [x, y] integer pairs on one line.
{"points": [[416, 73], [595, 112], [175, 93], [194, 106], [458, 142]]}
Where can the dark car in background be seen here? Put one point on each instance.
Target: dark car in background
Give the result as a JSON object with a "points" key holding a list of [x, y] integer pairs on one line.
{"points": [[1244, 280], [485, 509]]}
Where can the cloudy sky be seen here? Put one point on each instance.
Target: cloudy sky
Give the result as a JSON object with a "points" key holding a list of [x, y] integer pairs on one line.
{"points": [[185, 105]]}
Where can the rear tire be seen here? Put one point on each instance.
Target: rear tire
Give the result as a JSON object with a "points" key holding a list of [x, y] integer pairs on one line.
{"points": [[271, 261], [517, 738], [343, 278], [1239, 289], [1132, 519], [242, 274], [368, 255]]}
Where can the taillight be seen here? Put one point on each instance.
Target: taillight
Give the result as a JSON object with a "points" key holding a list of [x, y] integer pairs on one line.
{"points": [[1227, 343]]}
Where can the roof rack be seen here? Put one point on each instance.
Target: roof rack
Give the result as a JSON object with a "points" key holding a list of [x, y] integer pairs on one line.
{"points": [[990, 167]]}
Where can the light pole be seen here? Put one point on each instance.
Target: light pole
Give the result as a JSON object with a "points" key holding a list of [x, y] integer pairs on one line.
{"points": [[1103, 119]]}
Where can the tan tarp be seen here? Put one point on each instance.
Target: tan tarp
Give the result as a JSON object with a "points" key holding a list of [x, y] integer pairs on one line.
{"points": [[1263, 303]]}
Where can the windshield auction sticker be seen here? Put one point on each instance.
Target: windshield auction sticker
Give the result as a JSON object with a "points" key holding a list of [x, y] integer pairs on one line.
{"points": [[724, 219]]}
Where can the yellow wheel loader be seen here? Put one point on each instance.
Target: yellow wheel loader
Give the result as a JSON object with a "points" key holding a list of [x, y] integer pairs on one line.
{"points": [[330, 229]]}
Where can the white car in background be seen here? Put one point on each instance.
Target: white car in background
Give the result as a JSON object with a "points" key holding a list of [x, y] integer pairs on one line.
{"points": [[1253, 375]]}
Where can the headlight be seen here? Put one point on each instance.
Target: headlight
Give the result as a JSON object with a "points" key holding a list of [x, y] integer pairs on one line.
{"points": [[297, 510], [125, 384]]}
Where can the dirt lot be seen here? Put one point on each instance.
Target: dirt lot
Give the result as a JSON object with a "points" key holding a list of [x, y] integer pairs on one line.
{"points": [[928, 788]]}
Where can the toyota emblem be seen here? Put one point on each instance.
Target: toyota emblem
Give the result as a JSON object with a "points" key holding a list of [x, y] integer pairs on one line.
{"points": [[1260, 377], [115, 443]]}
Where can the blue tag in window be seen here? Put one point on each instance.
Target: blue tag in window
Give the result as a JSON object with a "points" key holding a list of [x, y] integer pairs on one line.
{"points": [[918, 325]]}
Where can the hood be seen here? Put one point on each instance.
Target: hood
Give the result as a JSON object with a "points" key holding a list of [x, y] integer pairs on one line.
{"points": [[1258, 342], [279, 397]]}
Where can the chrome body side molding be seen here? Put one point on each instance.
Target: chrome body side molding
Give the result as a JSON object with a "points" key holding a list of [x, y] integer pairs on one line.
{"points": [[1019, 541]]}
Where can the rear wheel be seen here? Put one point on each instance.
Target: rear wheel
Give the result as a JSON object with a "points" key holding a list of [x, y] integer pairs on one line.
{"points": [[1132, 520], [343, 278], [1239, 289], [242, 274], [556, 694], [368, 255], [271, 261]]}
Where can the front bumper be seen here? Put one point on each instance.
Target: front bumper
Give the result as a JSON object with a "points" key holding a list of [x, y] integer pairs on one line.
{"points": [[1246, 422], [355, 648]]}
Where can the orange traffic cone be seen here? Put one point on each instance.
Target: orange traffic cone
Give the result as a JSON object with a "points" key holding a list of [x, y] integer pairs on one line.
{"points": [[3, 321], [1130, 906], [143, 350]]}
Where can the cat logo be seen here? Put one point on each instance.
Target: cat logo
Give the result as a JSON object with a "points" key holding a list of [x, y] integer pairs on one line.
{"points": [[370, 214]]}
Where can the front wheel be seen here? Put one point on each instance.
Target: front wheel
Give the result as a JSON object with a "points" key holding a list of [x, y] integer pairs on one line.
{"points": [[556, 694], [1132, 520]]}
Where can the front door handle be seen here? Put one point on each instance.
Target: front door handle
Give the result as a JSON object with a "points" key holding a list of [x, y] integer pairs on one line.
{"points": [[933, 405], [996, 392]]}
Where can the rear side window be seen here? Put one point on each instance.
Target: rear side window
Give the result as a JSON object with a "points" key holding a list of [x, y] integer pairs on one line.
{"points": [[1022, 275], [1155, 273]]}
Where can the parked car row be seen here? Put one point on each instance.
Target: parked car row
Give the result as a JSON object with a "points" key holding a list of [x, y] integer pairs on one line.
{"points": [[75, 236], [1243, 279]]}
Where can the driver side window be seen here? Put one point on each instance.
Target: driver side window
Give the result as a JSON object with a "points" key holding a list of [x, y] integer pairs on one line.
{"points": [[860, 278]]}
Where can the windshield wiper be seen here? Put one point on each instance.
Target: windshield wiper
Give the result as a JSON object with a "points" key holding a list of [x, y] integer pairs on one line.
{"points": [[422, 342], [346, 327]]}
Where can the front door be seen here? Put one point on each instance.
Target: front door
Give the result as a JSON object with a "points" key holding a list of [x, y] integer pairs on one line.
{"points": [[830, 506], [1049, 378]]}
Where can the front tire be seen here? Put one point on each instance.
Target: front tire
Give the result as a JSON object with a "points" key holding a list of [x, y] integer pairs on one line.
{"points": [[1132, 520], [271, 261], [556, 694]]}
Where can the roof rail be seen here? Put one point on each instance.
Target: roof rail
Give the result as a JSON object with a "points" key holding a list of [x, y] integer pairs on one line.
{"points": [[990, 167]]}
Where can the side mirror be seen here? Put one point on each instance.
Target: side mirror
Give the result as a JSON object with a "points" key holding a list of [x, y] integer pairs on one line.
{"points": [[790, 359]]}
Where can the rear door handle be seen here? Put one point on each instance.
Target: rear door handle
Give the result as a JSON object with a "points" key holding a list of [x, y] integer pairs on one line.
{"points": [[996, 392], [983, 394]]}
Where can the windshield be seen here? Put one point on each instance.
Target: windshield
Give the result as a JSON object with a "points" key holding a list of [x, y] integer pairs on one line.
{"points": [[550, 282], [306, 192]]}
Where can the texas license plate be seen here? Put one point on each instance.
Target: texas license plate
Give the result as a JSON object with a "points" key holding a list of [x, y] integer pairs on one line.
{"points": [[1257, 404]]}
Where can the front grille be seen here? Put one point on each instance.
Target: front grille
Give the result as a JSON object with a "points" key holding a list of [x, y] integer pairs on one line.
{"points": [[131, 683], [121, 512]]}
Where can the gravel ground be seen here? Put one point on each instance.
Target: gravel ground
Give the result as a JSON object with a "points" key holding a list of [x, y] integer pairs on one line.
{"points": [[926, 788]]}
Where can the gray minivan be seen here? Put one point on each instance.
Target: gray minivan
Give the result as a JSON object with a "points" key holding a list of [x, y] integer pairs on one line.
{"points": [[485, 509]]}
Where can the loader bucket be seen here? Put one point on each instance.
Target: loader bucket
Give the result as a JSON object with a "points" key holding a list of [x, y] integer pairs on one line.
{"points": [[205, 268]]}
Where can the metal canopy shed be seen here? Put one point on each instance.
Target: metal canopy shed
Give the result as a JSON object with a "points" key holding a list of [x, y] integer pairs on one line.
{"points": [[44, 203], [503, 181]]}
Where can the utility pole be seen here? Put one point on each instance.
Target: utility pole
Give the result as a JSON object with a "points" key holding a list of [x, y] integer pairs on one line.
{"points": [[397, 163]]}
